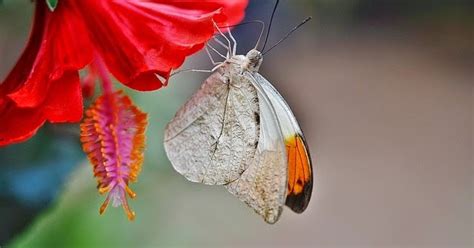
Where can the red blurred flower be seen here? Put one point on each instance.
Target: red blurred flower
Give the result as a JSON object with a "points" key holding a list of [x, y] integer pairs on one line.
{"points": [[136, 39]]}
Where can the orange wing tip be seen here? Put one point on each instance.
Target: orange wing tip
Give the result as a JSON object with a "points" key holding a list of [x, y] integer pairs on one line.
{"points": [[113, 135], [300, 175]]}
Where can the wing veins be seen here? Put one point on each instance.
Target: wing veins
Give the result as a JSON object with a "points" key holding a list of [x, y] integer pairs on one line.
{"points": [[302, 161], [190, 124], [223, 122]]}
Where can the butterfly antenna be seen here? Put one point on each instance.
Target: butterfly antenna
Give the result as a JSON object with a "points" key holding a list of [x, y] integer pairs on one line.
{"points": [[288, 34], [270, 25]]}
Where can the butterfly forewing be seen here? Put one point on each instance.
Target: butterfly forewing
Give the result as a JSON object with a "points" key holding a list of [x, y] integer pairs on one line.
{"points": [[300, 170], [212, 139]]}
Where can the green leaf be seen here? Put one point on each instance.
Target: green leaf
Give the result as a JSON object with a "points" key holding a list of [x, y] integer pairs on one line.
{"points": [[52, 4]]}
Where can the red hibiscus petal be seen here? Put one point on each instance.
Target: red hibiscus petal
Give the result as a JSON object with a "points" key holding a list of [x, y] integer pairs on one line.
{"points": [[22, 69], [60, 43], [63, 103], [232, 10], [138, 39], [18, 124], [44, 84]]}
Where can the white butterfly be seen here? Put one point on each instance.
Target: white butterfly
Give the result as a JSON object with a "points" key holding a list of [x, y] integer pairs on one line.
{"points": [[238, 131]]}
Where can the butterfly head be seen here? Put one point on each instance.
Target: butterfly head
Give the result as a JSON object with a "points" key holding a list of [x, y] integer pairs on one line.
{"points": [[255, 59]]}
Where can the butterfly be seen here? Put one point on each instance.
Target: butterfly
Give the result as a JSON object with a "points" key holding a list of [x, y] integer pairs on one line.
{"points": [[239, 132]]}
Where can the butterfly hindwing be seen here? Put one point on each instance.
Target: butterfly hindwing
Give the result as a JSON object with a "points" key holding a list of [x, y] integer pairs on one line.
{"points": [[263, 184], [212, 137]]}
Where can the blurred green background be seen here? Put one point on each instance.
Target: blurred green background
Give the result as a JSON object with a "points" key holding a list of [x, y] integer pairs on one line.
{"points": [[384, 93]]}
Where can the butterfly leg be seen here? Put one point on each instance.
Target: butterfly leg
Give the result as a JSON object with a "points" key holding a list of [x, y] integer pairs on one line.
{"points": [[229, 44], [190, 70], [221, 43], [214, 63], [216, 51], [234, 46]]}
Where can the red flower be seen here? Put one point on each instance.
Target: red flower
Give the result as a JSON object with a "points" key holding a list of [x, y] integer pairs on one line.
{"points": [[137, 40]]}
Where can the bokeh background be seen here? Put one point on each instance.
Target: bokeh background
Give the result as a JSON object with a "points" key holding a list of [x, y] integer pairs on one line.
{"points": [[383, 90]]}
